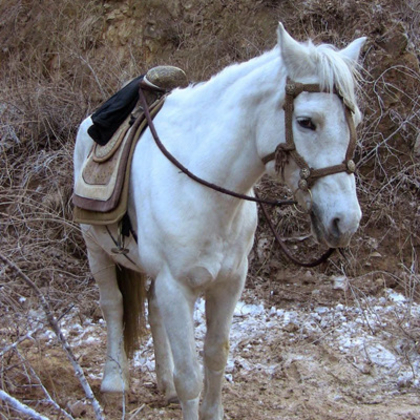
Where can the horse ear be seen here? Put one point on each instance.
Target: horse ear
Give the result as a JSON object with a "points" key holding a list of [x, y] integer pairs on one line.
{"points": [[294, 54], [352, 51]]}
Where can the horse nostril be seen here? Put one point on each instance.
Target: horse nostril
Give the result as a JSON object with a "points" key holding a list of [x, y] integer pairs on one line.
{"points": [[336, 226]]}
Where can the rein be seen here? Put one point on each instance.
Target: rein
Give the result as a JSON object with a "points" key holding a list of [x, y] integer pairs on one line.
{"points": [[217, 188], [324, 257], [201, 181]]}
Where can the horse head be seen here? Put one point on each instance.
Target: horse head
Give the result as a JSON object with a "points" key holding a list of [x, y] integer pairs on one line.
{"points": [[320, 115]]}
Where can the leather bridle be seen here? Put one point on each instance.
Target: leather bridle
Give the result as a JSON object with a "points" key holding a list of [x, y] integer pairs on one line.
{"points": [[309, 175]]}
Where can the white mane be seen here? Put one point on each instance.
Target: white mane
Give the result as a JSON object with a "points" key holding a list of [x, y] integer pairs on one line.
{"points": [[322, 61]]}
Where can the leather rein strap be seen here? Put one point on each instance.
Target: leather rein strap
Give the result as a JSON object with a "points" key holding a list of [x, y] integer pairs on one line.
{"points": [[201, 181], [324, 257], [215, 187]]}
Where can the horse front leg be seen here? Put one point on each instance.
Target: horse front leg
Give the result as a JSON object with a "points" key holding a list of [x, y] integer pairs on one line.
{"points": [[176, 304], [116, 375], [220, 305], [163, 355]]}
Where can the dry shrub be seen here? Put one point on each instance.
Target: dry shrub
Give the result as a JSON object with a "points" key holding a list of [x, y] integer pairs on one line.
{"points": [[59, 60], [388, 181]]}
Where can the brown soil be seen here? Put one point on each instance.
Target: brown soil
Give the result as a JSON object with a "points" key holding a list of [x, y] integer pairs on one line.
{"points": [[289, 374], [59, 60]]}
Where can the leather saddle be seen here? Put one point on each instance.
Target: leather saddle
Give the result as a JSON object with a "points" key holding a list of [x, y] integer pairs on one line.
{"points": [[101, 190]]}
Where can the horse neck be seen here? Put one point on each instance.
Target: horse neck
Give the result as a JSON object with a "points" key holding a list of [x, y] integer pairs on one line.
{"points": [[231, 107]]}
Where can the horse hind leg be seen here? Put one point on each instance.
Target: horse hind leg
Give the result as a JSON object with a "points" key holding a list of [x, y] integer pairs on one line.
{"points": [[116, 375], [163, 355], [121, 319]]}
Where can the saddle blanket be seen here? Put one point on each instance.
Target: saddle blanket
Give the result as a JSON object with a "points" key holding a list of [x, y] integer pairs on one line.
{"points": [[101, 192]]}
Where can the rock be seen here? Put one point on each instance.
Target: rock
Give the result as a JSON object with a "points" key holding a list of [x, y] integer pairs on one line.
{"points": [[77, 408], [292, 326], [340, 282]]}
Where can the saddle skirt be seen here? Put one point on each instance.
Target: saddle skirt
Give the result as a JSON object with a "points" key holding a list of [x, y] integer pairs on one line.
{"points": [[101, 192]]}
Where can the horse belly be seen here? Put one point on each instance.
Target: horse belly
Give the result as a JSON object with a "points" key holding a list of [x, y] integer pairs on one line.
{"points": [[101, 239]]}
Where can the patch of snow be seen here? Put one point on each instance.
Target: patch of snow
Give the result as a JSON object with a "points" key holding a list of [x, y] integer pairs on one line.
{"points": [[360, 333], [396, 297], [380, 356]]}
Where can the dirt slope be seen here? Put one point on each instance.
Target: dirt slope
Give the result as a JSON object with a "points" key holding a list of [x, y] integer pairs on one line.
{"points": [[59, 60]]}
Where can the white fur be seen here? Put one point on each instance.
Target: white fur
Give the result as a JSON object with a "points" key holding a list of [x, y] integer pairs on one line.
{"points": [[194, 240]]}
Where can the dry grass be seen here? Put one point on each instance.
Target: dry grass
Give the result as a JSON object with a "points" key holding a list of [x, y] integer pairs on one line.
{"points": [[59, 61]]}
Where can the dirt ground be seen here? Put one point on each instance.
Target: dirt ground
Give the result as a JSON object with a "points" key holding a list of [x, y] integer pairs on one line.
{"points": [[278, 368], [340, 342]]}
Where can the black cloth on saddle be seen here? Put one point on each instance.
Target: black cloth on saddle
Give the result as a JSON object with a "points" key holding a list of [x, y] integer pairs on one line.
{"points": [[111, 114]]}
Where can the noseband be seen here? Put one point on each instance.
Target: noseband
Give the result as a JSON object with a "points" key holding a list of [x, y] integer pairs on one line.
{"points": [[309, 175]]}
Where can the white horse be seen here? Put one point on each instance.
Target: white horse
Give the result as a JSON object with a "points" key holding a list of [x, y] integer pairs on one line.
{"points": [[195, 241]]}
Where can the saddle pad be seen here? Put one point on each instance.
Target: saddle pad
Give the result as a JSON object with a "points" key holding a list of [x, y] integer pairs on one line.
{"points": [[103, 153], [101, 191]]}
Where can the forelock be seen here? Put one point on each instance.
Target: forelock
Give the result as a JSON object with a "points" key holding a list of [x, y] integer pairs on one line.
{"points": [[333, 70]]}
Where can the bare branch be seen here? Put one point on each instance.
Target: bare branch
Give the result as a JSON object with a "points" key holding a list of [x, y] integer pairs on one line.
{"points": [[55, 327], [20, 340], [20, 407]]}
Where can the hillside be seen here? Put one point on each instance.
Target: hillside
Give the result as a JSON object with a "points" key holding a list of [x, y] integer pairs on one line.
{"points": [[60, 60]]}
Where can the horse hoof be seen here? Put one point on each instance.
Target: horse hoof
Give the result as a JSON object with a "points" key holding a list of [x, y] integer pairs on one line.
{"points": [[172, 400], [113, 387]]}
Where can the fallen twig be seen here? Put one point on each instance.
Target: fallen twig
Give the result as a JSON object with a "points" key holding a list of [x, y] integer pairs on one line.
{"points": [[55, 327], [20, 407], [136, 411]]}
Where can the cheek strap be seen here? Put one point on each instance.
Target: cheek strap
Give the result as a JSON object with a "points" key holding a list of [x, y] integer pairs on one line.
{"points": [[281, 155]]}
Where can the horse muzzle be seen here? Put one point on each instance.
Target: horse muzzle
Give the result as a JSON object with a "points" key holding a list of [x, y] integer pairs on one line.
{"points": [[337, 230]]}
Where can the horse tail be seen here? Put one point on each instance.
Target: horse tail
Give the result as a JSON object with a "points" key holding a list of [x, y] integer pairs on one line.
{"points": [[132, 286]]}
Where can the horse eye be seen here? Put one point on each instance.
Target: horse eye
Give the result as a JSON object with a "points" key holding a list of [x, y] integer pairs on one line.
{"points": [[307, 123]]}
